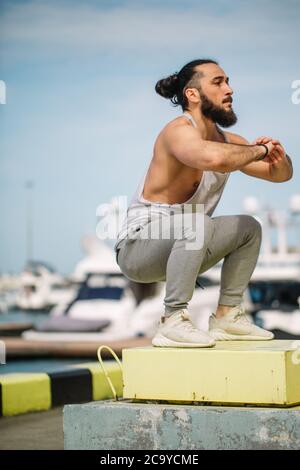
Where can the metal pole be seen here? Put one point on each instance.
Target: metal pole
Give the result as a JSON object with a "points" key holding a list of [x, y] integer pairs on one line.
{"points": [[29, 185]]}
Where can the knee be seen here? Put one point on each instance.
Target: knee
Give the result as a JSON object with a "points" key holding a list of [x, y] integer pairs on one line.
{"points": [[251, 226], [127, 263]]}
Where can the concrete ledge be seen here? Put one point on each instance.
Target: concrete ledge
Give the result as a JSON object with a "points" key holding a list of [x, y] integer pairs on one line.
{"points": [[27, 392], [124, 425]]}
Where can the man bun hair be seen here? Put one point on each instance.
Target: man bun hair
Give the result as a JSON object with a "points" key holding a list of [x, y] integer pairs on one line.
{"points": [[167, 87], [173, 86]]}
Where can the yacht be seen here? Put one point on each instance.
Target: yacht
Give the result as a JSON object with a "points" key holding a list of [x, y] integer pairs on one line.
{"points": [[41, 287]]}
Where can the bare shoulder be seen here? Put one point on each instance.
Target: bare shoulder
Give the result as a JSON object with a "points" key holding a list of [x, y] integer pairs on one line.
{"points": [[179, 128], [236, 138], [172, 131], [179, 121]]}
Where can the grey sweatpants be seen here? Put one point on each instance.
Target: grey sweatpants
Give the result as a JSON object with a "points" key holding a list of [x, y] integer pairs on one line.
{"points": [[236, 238]]}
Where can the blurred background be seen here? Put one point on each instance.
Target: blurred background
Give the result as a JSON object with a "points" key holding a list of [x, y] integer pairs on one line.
{"points": [[78, 119]]}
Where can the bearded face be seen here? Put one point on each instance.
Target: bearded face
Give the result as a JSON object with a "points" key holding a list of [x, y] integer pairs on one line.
{"points": [[217, 114]]}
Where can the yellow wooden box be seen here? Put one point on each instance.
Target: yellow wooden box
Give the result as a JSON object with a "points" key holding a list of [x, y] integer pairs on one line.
{"points": [[233, 372]]}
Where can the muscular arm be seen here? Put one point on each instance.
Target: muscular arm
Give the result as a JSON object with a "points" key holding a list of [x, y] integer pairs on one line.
{"points": [[283, 169], [276, 172], [186, 144]]}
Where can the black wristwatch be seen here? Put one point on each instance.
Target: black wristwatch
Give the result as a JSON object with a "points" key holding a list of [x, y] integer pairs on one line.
{"points": [[263, 156]]}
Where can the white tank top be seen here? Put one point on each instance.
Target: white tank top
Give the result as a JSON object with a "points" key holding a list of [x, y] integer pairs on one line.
{"points": [[208, 193]]}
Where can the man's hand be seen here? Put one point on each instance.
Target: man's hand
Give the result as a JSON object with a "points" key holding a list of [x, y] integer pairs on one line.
{"points": [[280, 164], [276, 154]]}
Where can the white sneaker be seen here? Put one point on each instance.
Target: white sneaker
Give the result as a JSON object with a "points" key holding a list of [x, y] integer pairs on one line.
{"points": [[236, 326], [178, 331]]}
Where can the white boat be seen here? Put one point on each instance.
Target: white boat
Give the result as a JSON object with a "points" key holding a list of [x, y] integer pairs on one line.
{"points": [[103, 298], [41, 287], [285, 324], [9, 286], [103, 295]]}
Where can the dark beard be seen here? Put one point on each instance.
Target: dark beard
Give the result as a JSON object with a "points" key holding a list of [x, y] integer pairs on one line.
{"points": [[216, 114]]}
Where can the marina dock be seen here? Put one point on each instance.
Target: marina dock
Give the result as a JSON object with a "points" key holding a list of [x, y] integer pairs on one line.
{"points": [[17, 347]]}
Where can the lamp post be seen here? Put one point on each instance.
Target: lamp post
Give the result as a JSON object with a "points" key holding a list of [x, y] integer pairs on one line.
{"points": [[29, 185]]}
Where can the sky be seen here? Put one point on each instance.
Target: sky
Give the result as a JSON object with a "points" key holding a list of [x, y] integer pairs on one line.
{"points": [[81, 113]]}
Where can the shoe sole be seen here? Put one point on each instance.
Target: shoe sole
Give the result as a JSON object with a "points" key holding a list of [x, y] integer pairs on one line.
{"points": [[163, 342], [220, 335]]}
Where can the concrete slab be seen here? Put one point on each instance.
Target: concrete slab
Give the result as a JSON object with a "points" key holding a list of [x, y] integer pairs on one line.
{"points": [[124, 425]]}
